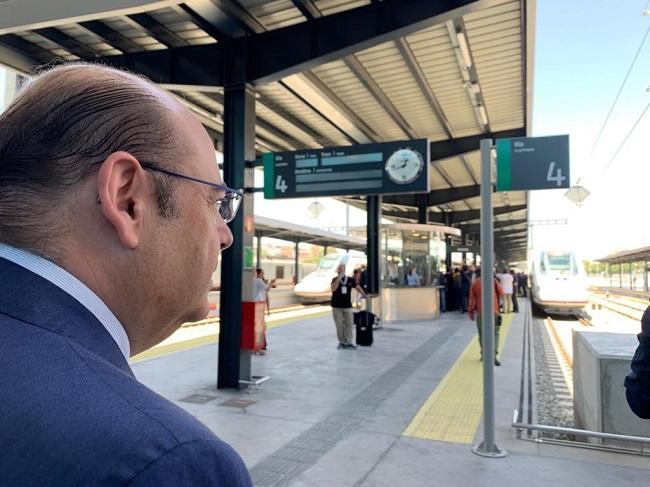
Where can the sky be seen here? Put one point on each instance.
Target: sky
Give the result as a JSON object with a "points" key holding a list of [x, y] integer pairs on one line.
{"points": [[583, 50]]}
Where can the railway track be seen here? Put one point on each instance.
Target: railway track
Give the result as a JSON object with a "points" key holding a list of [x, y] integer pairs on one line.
{"points": [[630, 309], [281, 309]]}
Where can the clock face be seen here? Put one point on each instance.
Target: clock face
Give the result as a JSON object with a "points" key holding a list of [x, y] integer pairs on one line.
{"points": [[404, 166]]}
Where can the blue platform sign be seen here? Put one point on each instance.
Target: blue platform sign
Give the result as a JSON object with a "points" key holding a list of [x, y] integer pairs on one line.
{"points": [[526, 163]]}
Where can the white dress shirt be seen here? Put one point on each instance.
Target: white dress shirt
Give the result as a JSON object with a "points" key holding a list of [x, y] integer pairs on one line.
{"points": [[72, 286]]}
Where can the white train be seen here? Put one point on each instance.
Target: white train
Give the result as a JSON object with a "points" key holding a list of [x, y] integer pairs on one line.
{"points": [[558, 282], [316, 286]]}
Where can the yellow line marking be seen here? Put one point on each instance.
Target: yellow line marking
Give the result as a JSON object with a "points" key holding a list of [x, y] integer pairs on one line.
{"points": [[453, 411], [181, 346]]}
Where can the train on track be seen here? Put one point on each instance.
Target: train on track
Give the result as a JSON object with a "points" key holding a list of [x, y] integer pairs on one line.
{"points": [[316, 286], [558, 282]]}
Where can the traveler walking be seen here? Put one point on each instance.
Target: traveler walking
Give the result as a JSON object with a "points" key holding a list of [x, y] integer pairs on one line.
{"points": [[474, 309]]}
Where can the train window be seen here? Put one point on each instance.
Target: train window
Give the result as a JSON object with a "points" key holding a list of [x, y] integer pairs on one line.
{"points": [[329, 261], [559, 262], [279, 272]]}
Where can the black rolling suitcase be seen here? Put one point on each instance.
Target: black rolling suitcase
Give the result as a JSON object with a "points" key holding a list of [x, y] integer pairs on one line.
{"points": [[364, 321]]}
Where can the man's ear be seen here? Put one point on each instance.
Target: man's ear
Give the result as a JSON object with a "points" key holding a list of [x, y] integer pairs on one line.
{"points": [[123, 195]]}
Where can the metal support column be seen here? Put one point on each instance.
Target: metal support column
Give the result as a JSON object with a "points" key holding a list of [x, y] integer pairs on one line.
{"points": [[423, 208], [620, 276], [296, 262], [645, 275], [631, 275], [239, 146], [447, 244], [488, 447], [258, 256], [373, 209]]}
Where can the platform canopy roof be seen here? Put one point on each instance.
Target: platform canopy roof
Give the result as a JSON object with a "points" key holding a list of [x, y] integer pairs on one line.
{"points": [[270, 227], [641, 254], [325, 73]]}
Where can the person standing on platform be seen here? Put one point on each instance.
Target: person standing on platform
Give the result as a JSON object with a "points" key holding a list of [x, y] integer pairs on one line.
{"points": [[515, 304], [637, 383], [451, 292], [505, 278], [261, 288], [474, 311], [442, 287], [342, 287], [523, 284], [112, 218], [458, 289], [466, 283]]}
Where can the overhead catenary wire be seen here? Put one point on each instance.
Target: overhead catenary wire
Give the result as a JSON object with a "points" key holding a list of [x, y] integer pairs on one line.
{"points": [[626, 137], [611, 109]]}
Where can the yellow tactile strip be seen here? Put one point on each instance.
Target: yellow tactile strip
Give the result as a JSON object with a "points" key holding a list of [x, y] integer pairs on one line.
{"points": [[181, 346], [453, 411]]}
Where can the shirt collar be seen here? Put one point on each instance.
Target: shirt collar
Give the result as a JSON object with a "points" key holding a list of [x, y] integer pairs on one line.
{"points": [[74, 287]]}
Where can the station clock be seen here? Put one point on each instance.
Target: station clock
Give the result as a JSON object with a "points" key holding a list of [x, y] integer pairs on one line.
{"points": [[404, 165]]}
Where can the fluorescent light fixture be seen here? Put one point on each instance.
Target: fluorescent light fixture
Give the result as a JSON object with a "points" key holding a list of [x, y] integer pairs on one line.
{"points": [[483, 114], [464, 49]]}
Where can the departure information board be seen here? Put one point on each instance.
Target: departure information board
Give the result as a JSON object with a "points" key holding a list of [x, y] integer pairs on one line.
{"points": [[382, 168]]}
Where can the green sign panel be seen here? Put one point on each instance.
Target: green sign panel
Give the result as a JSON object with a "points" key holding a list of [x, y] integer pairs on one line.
{"points": [[383, 168], [525, 163], [248, 257]]}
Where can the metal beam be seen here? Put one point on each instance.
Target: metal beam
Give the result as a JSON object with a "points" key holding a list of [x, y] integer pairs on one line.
{"points": [[150, 26], [36, 14], [26, 48], [280, 111], [279, 53], [17, 61], [186, 12], [469, 169], [307, 8], [354, 119], [378, 94], [476, 227], [303, 46], [70, 44], [456, 147], [453, 217], [500, 232], [227, 15], [179, 66], [418, 75], [279, 133], [110, 36]]}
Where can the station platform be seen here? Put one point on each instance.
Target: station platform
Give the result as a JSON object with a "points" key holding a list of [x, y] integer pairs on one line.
{"points": [[405, 411]]}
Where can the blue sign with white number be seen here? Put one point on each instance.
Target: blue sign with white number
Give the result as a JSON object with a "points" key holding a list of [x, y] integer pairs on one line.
{"points": [[525, 163]]}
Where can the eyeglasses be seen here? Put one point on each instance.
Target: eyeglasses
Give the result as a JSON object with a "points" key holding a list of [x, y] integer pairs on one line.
{"points": [[227, 206]]}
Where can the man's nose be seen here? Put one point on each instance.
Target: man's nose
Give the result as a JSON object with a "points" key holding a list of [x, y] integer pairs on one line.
{"points": [[225, 236]]}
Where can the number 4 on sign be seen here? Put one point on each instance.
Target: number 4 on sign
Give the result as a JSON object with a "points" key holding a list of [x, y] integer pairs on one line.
{"points": [[281, 184], [558, 178]]}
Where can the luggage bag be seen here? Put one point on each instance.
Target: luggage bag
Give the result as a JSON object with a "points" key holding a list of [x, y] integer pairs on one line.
{"points": [[364, 321]]}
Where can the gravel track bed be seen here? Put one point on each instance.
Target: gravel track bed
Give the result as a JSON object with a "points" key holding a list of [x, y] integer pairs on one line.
{"points": [[554, 400]]}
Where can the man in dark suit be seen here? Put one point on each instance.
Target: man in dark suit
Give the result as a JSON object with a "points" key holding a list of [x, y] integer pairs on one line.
{"points": [[106, 247], [637, 383]]}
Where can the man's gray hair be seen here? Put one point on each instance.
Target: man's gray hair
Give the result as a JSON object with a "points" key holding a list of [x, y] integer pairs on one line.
{"points": [[58, 131]]}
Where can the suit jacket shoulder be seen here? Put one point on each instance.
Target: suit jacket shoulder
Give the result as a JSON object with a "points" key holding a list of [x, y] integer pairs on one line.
{"points": [[72, 413]]}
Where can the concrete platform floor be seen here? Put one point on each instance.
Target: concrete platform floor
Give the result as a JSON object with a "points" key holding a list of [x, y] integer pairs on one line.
{"points": [[332, 417]]}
